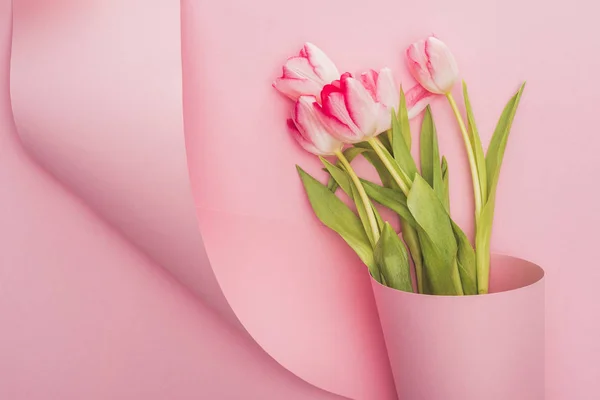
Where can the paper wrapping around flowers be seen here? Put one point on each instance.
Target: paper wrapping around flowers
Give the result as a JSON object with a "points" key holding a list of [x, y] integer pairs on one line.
{"points": [[469, 347]]}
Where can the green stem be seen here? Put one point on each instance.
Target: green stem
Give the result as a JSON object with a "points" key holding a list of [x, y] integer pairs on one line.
{"points": [[482, 245], [471, 156], [379, 150], [362, 194]]}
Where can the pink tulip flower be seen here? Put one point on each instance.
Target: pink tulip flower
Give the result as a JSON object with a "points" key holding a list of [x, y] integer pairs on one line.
{"points": [[307, 73], [432, 64], [355, 110], [308, 129]]}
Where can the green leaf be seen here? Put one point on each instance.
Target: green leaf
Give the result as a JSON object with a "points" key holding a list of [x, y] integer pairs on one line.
{"points": [[390, 198], [495, 153], [476, 144], [382, 281], [494, 157], [396, 201], [343, 179], [362, 213], [436, 236], [336, 215], [402, 156], [386, 142], [403, 119], [392, 259], [338, 175], [380, 221], [446, 180], [431, 169], [411, 237], [350, 154], [430, 215], [467, 262], [373, 159]]}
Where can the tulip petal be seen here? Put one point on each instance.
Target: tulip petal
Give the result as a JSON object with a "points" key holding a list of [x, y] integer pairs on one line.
{"points": [[334, 106], [388, 93], [417, 61], [315, 135], [361, 106], [369, 80], [383, 118], [322, 65], [336, 128], [294, 88], [417, 98], [300, 68], [442, 64], [306, 145]]}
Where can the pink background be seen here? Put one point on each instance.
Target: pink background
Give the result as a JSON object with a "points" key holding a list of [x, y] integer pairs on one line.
{"points": [[86, 315], [85, 307]]}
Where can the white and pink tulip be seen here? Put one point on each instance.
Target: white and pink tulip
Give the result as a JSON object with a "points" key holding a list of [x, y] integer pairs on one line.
{"points": [[432, 64], [352, 112], [357, 109], [307, 73], [308, 129]]}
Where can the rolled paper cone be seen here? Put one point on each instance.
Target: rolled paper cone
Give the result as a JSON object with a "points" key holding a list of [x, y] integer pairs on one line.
{"points": [[469, 347]]}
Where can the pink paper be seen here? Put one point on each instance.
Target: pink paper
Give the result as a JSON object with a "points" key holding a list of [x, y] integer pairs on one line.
{"points": [[542, 203], [235, 125], [85, 315], [96, 97], [469, 347], [293, 284]]}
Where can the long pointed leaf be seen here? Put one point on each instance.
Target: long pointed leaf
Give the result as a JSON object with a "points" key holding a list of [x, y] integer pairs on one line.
{"points": [[386, 142], [494, 158], [373, 159], [476, 144], [361, 207], [446, 180], [403, 120], [336, 215], [467, 262], [392, 259], [402, 155], [436, 235], [407, 224], [338, 175], [431, 169], [411, 238], [390, 198], [495, 153], [343, 179]]}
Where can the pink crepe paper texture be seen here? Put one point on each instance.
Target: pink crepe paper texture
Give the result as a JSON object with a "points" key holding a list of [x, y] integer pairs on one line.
{"points": [[542, 202], [469, 347]]}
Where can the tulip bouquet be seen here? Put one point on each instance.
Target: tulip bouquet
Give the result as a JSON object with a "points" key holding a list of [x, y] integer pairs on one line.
{"points": [[346, 116]]}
